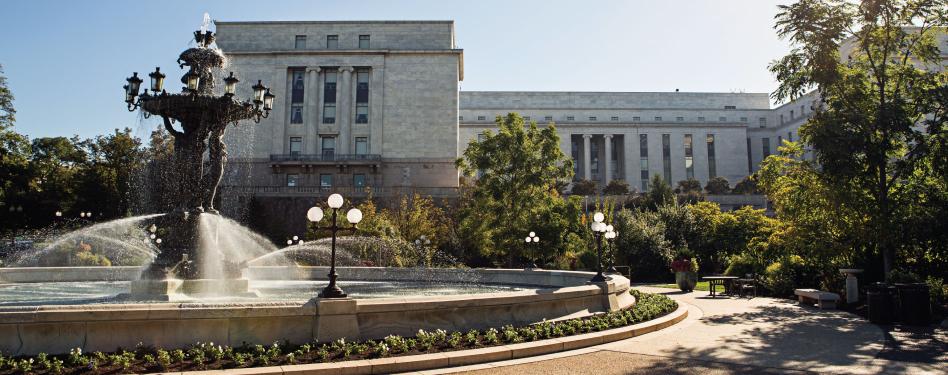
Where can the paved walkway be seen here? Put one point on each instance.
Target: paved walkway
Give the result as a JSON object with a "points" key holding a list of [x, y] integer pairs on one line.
{"points": [[759, 335]]}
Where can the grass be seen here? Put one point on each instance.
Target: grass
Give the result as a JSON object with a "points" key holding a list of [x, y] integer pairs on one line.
{"points": [[702, 286]]}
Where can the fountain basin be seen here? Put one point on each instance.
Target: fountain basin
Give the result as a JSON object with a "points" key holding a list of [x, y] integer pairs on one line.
{"points": [[176, 289], [104, 327]]}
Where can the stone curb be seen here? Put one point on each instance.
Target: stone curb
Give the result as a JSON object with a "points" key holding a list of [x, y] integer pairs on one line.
{"points": [[466, 357]]}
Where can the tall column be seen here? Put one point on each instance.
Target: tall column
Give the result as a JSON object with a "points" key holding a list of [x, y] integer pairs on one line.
{"points": [[587, 157], [607, 139], [311, 110], [343, 117]]}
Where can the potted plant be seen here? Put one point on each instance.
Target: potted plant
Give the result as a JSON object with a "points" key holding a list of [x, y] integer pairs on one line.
{"points": [[686, 273]]}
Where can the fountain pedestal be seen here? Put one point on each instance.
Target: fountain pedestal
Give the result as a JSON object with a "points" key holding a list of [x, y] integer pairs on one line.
{"points": [[176, 289]]}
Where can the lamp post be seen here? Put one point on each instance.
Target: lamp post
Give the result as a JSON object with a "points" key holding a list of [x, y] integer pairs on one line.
{"points": [[611, 235], [422, 243], [533, 239], [353, 216], [599, 229]]}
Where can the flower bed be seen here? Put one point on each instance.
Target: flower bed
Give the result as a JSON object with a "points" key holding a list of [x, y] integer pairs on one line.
{"points": [[208, 356]]}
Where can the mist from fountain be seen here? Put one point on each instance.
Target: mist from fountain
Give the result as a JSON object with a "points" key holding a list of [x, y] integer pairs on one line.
{"points": [[223, 240], [123, 242]]}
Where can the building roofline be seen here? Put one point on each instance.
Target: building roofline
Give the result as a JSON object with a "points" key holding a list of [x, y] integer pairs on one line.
{"points": [[381, 22], [614, 92]]}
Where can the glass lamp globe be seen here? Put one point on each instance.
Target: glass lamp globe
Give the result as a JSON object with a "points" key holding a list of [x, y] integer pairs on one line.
{"points": [[268, 100], [533, 234], [335, 201], [536, 239], [315, 214], [599, 217], [157, 79], [258, 91], [527, 239], [230, 85], [610, 235], [354, 216], [296, 238], [289, 242], [610, 228]]}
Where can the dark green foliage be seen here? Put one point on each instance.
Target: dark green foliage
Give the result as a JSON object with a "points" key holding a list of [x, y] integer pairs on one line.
{"points": [[616, 187], [584, 187], [717, 186]]}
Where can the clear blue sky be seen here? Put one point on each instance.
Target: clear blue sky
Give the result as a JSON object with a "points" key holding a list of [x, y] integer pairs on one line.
{"points": [[66, 61]]}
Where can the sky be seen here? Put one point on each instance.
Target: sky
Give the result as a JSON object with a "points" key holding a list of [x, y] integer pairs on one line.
{"points": [[66, 61]]}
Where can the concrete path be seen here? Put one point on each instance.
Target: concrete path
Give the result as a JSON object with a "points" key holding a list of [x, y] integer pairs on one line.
{"points": [[730, 335]]}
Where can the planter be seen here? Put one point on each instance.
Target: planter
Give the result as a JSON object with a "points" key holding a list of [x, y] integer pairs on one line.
{"points": [[686, 280], [914, 304], [881, 300]]}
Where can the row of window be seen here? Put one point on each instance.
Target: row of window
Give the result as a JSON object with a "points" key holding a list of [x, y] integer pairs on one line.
{"points": [[762, 121], [764, 149], [793, 114], [332, 41], [325, 180], [330, 79], [328, 144]]}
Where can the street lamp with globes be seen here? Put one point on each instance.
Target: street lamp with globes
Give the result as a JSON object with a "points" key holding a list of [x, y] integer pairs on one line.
{"points": [[599, 229], [533, 239], [353, 216]]}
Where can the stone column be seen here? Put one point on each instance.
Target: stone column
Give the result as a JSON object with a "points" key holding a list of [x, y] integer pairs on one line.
{"points": [[311, 120], [607, 139], [343, 113], [587, 157]]}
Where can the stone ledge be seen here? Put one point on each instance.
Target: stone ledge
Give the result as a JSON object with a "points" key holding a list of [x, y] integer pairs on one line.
{"points": [[471, 356]]}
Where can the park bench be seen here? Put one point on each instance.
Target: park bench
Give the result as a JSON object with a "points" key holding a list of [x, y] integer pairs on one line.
{"points": [[815, 297]]}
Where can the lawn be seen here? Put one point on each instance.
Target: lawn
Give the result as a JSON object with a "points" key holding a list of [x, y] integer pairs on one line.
{"points": [[702, 286]]}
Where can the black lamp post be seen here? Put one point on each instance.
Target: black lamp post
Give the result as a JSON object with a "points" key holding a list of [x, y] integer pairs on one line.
{"points": [[599, 229], [533, 239], [353, 216], [422, 243], [611, 235]]}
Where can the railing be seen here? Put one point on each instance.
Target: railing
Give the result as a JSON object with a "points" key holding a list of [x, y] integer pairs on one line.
{"points": [[344, 190], [325, 157]]}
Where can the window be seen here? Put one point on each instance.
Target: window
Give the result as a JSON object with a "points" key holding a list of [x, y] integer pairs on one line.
{"points": [[358, 180], [722, 119], [712, 164], [730, 107], [689, 157], [363, 41], [300, 42], [615, 118], [548, 118], [636, 118], [779, 141], [460, 118], [679, 119], [298, 77], [362, 97], [762, 122], [481, 118], [296, 113], [592, 118], [666, 157], [801, 110], [325, 181], [790, 136], [750, 158], [643, 160], [781, 119], [526, 118], [594, 163], [744, 119], [292, 179], [791, 115], [362, 145], [658, 118], [570, 118], [332, 41], [766, 146], [296, 145], [329, 147], [701, 119], [329, 98]]}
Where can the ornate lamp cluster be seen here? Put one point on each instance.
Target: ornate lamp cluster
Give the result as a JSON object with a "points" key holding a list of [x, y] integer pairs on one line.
{"points": [[600, 230], [353, 216], [261, 104]]}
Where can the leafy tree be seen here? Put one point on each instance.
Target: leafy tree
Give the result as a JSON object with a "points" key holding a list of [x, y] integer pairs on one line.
{"points": [[14, 153], [109, 178], [658, 194], [689, 185], [584, 187], [718, 186], [881, 110], [519, 169], [642, 245], [616, 187], [746, 186]]}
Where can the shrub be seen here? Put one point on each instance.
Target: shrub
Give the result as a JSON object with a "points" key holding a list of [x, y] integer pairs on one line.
{"points": [[785, 275], [616, 187], [937, 290], [718, 185], [584, 187], [743, 264]]}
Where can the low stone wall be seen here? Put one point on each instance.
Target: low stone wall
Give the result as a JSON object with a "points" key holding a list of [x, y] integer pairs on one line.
{"points": [[56, 329], [64, 274]]}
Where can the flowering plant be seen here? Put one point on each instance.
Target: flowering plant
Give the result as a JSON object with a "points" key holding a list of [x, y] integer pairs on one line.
{"points": [[685, 265]]}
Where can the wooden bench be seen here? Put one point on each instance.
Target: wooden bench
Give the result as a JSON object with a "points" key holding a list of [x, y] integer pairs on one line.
{"points": [[821, 299]]}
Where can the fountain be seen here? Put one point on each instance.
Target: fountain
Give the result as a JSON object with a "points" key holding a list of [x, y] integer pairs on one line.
{"points": [[191, 260]]}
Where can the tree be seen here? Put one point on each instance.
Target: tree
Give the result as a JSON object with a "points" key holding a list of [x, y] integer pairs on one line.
{"points": [[616, 187], [659, 193], [881, 110], [584, 187], [519, 168], [718, 186], [14, 152], [109, 178], [687, 186], [746, 186]]}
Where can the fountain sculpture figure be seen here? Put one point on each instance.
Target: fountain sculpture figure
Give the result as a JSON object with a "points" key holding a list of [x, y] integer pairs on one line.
{"points": [[203, 118]]}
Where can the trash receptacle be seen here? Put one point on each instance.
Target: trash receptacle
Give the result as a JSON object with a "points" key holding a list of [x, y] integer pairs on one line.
{"points": [[914, 304], [881, 300]]}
